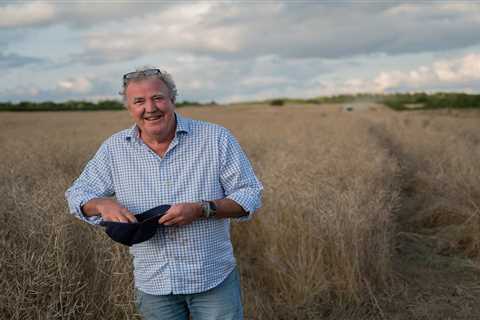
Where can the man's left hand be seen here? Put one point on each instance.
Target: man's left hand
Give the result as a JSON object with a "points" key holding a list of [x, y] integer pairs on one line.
{"points": [[181, 214]]}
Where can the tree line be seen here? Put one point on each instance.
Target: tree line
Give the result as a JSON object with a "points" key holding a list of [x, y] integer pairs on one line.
{"points": [[73, 105], [396, 101]]}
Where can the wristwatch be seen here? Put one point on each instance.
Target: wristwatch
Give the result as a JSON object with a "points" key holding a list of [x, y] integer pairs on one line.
{"points": [[209, 209]]}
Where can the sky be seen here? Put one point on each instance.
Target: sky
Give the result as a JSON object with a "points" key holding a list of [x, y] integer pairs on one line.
{"points": [[230, 51]]}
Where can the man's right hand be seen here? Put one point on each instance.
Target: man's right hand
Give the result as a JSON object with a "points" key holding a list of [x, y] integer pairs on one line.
{"points": [[109, 209]]}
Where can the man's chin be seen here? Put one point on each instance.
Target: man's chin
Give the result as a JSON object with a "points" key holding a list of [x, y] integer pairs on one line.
{"points": [[154, 125], [154, 132]]}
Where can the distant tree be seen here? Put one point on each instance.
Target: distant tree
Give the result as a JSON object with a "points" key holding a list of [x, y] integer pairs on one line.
{"points": [[277, 102], [109, 105]]}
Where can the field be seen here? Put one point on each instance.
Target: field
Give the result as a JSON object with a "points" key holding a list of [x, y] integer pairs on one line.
{"points": [[371, 214]]}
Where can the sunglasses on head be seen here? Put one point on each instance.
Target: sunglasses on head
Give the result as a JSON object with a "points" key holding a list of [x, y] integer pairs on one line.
{"points": [[140, 74]]}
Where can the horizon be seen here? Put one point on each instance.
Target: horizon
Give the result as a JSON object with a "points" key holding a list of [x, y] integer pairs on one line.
{"points": [[358, 95]]}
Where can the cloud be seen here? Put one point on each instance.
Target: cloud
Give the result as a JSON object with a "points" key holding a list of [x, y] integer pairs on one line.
{"points": [[455, 74], [75, 85], [443, 73], [76, 88], [113, 32], [289, 30], [26, 14], [264, 81], [206, 79], [75, 13], [12, 60], [270, 77], [178, 29], [227, 51]]}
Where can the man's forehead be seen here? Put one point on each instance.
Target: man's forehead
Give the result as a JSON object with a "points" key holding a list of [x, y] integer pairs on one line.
{"points": [[146, 87]]}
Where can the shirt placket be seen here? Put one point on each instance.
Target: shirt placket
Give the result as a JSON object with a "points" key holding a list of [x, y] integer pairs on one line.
{"points": [[166, 239], [170, 233]]}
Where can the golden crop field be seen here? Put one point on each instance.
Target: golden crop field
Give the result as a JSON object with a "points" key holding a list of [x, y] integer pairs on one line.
{"points": [[369, 214]]}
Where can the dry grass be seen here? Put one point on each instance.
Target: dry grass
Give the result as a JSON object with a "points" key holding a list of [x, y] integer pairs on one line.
{"points": [[441, 154], [347, 197]]}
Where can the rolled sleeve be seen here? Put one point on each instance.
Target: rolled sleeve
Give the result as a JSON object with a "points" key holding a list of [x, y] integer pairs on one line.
{"points": [[76, 199], [238, 178], [94, 182]]}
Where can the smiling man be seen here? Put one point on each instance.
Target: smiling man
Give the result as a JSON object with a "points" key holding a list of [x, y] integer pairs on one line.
{"points": [[187, 268]]}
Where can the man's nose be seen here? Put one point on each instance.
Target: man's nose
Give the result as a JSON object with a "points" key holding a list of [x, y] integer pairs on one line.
{"points": [[150, 106]]}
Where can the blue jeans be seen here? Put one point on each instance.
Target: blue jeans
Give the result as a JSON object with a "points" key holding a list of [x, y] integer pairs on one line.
{"points": [[222, 302]]}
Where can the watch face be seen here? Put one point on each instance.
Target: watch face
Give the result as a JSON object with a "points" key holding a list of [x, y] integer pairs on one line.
{"points": [[206, 209], [213, 206]]}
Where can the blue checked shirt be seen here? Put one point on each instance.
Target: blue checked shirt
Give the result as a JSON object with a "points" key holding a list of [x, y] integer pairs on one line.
{"points": [[203, 162]]}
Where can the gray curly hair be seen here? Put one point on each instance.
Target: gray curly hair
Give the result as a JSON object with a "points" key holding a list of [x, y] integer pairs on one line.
{"points": [[146, 72]]}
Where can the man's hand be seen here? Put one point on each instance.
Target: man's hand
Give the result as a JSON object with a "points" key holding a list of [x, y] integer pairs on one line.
{"points": [[109, 209], [181, 214]]}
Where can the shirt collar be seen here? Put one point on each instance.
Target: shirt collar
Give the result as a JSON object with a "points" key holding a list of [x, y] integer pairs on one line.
{"points": [[183, 125]]}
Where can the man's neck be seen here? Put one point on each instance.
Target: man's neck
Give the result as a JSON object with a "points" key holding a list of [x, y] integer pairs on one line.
{"points": [[157, 140]]}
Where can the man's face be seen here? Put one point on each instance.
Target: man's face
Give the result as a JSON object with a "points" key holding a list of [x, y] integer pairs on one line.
{"points": [[150, 106]]}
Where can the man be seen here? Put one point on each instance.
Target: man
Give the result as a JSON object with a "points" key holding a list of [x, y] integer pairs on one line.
{"points": [[188, 267]]}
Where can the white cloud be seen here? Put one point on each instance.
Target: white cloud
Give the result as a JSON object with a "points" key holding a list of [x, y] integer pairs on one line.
{"points": [[76, 85], [180, 28], [26, 14], [455, 73], [458, 70]]}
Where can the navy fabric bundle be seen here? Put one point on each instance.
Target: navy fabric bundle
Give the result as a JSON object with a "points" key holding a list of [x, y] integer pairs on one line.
{"points": [[142, 230]]}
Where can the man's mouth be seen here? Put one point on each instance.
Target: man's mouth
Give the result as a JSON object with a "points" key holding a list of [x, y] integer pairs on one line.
{"points": [[153, 118]]}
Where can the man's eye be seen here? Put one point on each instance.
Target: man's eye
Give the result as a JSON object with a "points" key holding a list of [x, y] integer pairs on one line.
{"points": [[138, 102], [158, 98]]}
